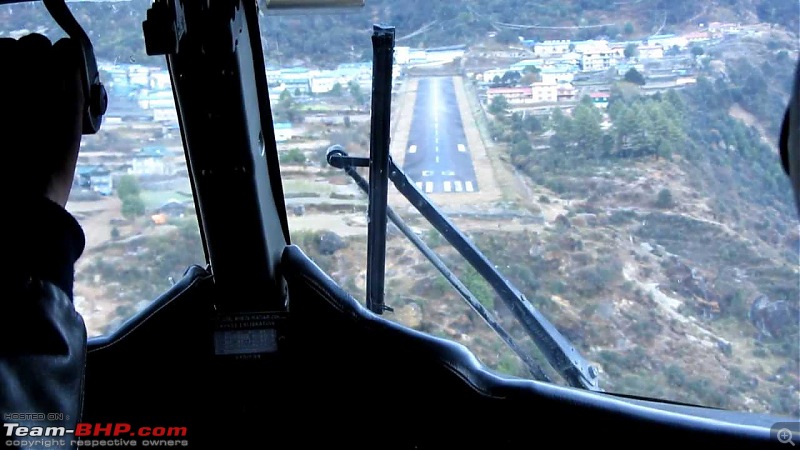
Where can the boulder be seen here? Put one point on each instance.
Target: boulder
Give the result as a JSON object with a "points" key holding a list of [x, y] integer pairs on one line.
{"points": [[329, 243]]}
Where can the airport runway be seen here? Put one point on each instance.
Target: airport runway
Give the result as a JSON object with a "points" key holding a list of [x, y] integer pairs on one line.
{"points": [[437, 157]]}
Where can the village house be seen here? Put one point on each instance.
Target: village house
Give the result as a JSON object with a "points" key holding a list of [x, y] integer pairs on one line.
{"points": [[597, 57], [650, 51], [550, 48], [514, 96], [600, 99], [95, 177], [151, 160], [544, 92], [557, 74], [566, 92]]}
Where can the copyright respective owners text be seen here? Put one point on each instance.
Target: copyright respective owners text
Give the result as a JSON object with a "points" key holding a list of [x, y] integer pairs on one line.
{"points": [[26, 431], [786, 433]]}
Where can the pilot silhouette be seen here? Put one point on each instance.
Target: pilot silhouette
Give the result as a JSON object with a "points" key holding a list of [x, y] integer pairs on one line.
{"points": [[42, 336]]}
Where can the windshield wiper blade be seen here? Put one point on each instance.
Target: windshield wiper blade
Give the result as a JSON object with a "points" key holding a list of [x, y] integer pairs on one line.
{"points": [[337, 157], [380, 126], [559, 352]]}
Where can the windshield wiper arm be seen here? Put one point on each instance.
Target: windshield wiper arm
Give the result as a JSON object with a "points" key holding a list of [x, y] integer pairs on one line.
{"points": [[559, 352], [337, 157]]}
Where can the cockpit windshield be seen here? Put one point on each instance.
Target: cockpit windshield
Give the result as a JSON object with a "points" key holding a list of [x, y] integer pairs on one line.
{"points": [[616, 162]]}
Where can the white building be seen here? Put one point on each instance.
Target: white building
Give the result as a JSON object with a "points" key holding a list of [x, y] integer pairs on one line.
{"points": [[322, 84], [590, 45], [443, 56], [697, 36], [566, 92], [151, 161], [668, 41], [401, 55], [724, 28], [165, 115], [544, 92], [159, 80], [651, 51], [514, 95], [569, 58], [553, 75], [597, 57], [550, 48], [139, 75], [489, 75], [417, 56], [156, 99]]}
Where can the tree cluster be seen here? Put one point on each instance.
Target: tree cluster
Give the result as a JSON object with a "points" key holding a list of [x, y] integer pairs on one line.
{"points": [[734, 150], [129, 192], [645, 126]]}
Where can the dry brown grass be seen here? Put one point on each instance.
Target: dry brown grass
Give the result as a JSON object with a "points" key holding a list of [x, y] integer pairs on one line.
{"points": [[95, 219]]}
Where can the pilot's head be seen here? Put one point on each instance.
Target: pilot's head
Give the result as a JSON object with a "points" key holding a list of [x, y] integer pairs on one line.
{"points": [[790, 138]]}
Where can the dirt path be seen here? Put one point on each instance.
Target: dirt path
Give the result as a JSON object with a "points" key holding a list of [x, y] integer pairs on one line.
{"points": [[750, 120], [356, 224], [341, 224], [95, 218], [671, 307], [401, 127]]}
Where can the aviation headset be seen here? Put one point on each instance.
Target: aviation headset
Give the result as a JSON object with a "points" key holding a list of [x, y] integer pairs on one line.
{"points": [[96, 99]]}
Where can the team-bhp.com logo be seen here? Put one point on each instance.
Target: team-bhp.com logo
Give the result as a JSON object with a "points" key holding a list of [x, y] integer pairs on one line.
{"points": [[94, 435]]}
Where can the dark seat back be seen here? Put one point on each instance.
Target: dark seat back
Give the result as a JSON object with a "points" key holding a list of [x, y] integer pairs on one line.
{"points": [[146, 360]]}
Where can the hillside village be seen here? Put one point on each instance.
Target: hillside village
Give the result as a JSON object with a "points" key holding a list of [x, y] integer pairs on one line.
{"points": [[559, 72], [542, 75]]}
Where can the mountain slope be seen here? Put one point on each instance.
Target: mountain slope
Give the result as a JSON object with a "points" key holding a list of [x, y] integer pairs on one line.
{"points": [[117, 31]]}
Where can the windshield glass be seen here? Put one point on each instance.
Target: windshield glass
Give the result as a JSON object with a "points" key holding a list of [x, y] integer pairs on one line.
{"points": [[617, 162], [131, 193]]}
